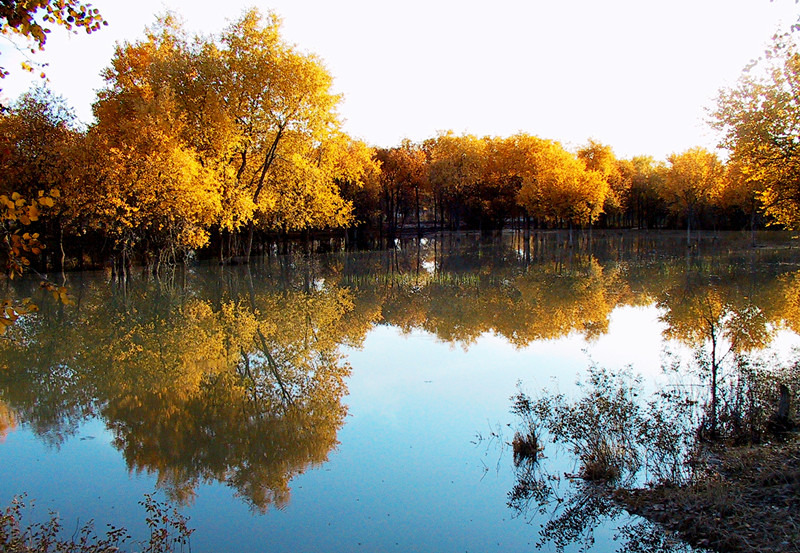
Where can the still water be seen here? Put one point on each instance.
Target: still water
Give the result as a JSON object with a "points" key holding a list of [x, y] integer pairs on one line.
{"points": [[332, 402]]}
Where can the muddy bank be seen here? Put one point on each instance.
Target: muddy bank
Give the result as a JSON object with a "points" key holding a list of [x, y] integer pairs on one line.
{"points": [[748, 500]]}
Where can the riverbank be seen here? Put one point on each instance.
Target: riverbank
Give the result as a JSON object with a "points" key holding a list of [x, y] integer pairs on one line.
{"points": [[748, 501]]}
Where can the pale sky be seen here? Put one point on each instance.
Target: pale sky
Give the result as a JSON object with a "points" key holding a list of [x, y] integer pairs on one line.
{"points": [[635, 74]]}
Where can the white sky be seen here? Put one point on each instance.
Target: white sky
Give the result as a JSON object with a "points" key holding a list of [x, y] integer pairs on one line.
{"points": [[635, 74]]}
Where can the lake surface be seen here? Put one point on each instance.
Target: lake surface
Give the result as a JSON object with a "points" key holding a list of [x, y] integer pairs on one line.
{"points": [[339, 402]]}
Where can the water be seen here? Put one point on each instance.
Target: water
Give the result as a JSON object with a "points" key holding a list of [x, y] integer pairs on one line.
{"points": [[337, 402]]}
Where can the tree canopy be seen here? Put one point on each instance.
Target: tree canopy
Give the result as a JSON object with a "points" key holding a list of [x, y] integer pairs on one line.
{"points": [[760, 122]]}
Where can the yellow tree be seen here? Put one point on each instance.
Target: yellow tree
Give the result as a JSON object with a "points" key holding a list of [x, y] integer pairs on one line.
{"points": [[693, 180], [740, 189], [558, 187], [35, 137], [492, 198], [600, 157], [146, 186], [760, 121], [357, 178], [31, 20], [240, 132], [282, 106], [646, 181], [455, 166], [402, 175]]}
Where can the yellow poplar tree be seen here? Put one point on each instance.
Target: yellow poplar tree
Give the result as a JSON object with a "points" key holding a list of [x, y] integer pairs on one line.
{"points": [[693, 180], [148, 184], [281, 104], [558, 187]]}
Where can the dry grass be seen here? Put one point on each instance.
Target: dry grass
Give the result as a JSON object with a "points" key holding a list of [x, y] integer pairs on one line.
{"points": [[748, 501]]}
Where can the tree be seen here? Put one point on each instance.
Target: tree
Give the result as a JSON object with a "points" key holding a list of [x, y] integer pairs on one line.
{"points": [[37, 142], [760, 122], [21, 18], [741, 191], [402, 175], [693, 180], [558, 187], [230, 134], [494, 197], [645, 200], [600, 158], [148, 188], [35, 137], [282, 107], [455, 165]]}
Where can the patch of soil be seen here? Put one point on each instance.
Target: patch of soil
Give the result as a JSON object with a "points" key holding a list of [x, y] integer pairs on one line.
{"points": [[748, 500]]}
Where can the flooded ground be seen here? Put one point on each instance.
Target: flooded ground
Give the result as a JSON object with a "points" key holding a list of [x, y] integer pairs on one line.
{"points": [[344, 401]]}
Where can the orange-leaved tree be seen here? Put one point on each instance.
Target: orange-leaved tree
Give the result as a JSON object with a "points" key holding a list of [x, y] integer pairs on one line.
{"points": [[31, 20]]}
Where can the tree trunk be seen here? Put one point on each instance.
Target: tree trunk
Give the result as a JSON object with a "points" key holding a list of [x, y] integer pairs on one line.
{"points": [[249, 248], [416, 201]]}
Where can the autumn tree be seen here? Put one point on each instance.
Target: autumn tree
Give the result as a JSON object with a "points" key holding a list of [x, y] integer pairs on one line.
{"points": [[494, 197], [403, 175], [32, 21], [35, 137], [281, 104], [693, 180], [741, 191], [645, 200], [559, 188], [18, 19], [760, 122], [362, 187], [455, 166], [230, 134], [600, 158], [149, 189]]}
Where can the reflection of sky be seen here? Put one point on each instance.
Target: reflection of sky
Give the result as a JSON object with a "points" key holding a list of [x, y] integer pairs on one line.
{"points": [[407, 474]]}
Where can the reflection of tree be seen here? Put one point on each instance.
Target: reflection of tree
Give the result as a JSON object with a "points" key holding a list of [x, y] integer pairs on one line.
{"points": [[8, 421], [720, 317], [245, 390], [496, 294], [533, 288], [39, 380], [575, 509], [230, 374], [256, 401]]}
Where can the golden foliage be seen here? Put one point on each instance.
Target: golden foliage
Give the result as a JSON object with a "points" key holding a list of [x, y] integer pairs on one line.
{"points": [[760, 121], [19, 18], [558, 185]]}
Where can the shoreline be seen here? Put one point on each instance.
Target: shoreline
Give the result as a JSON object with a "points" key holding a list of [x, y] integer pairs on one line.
{"points": [[748, 501]]}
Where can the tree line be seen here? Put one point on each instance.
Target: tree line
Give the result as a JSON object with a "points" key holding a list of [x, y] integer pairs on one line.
{"points": [[212, 145]]}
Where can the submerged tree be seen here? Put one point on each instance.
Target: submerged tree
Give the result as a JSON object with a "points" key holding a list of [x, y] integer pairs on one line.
{"points": [[693, 180], [239, 133]]}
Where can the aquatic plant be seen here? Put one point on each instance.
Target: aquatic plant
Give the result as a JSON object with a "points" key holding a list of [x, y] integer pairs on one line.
{"points": [[169, 532]]}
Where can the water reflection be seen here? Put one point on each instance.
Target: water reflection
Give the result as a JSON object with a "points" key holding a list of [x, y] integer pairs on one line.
{"points": [[244, 388], [235, 374]]}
